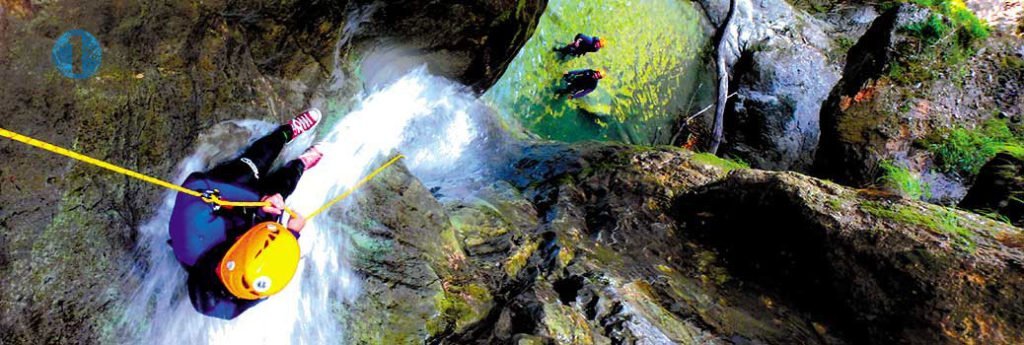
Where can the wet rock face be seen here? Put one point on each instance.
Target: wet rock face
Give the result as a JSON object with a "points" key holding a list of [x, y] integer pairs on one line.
{"points": [[999, 188], [470, 41], [403, 244], [784, 63], [773, 121], [855, 128]]}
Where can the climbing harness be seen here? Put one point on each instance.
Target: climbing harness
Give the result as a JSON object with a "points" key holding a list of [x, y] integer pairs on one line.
{"points": [[211, 197]]}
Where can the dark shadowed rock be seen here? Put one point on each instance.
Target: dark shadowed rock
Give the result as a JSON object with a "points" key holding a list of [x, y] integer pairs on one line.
{"points": [[773, 121], [870, 268], [999, 188], [470, 41]]}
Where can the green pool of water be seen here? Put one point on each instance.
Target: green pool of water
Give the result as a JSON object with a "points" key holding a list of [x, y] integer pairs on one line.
{"points": [[652, 62]]}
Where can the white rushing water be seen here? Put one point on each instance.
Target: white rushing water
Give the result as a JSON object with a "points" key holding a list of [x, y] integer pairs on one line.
{"points": [[447, 136]]}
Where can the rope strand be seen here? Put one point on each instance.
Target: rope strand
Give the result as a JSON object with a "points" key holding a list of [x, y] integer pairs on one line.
{"points": [[152, 180], [356, 186]]}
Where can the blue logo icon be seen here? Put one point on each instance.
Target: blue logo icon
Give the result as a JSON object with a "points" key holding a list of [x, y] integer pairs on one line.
{"points": [[90, 55]]}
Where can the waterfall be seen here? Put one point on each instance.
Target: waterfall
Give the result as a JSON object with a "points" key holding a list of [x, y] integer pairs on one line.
{"points": [[448, 137]]}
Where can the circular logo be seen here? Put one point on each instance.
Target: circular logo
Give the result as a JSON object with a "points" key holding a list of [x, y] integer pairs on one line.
{"points": [[261, 284], [77, 54]]}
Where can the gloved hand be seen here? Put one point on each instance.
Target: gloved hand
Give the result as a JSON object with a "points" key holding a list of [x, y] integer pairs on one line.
{"points": [[276, 206], [296, 223]]}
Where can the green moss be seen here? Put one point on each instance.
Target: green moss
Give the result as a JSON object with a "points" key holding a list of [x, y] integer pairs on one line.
{"points": [[724, 163], [709, 269], [606, 256], [934, 218], [835, 204], [566, 324], [461, 305], [379, 325], [964, 150], [517, 261], [843, 44], [904, 181], [1012, 62]]}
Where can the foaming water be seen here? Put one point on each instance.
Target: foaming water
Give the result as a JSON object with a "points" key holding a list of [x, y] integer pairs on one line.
{"points": [[448, 137]]}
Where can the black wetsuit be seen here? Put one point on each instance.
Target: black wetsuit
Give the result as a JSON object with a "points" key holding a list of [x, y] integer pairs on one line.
{"points": [[579, 83], [200, 235], [582, 44]]}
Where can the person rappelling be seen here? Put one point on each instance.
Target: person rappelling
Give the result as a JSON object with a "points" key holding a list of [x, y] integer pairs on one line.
{"points": [[236, 257], [224, 228]]}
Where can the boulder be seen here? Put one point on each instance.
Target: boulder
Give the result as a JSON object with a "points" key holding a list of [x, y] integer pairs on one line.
{"points": [[691, 244], [999, 189], [784, 63], [405, 249], [857, 128], [901, 93], [867, 267]]}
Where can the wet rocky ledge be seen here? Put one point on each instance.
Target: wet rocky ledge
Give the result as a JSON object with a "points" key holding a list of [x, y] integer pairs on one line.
{"points": [[601, 243]]}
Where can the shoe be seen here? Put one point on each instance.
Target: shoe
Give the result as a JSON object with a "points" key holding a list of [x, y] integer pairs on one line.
{"points": [[311, 156], [304, 122]]}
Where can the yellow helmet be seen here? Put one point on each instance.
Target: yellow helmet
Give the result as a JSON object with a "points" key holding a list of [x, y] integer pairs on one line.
{"points": [[261, 262]]}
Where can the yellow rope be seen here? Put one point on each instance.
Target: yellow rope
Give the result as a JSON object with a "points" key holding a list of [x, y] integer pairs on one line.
{"points": [[213, 199], [75, 155], [356, 186]]}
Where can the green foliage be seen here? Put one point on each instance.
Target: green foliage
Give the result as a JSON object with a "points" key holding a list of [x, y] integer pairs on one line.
{"points": [[936, 219], [931, 30], [949, 16], [964, 151], [904, 181], [947, 38], [998, 217]]}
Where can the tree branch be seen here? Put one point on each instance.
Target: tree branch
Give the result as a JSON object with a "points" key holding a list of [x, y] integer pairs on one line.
{"points": [[723, 79]]}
